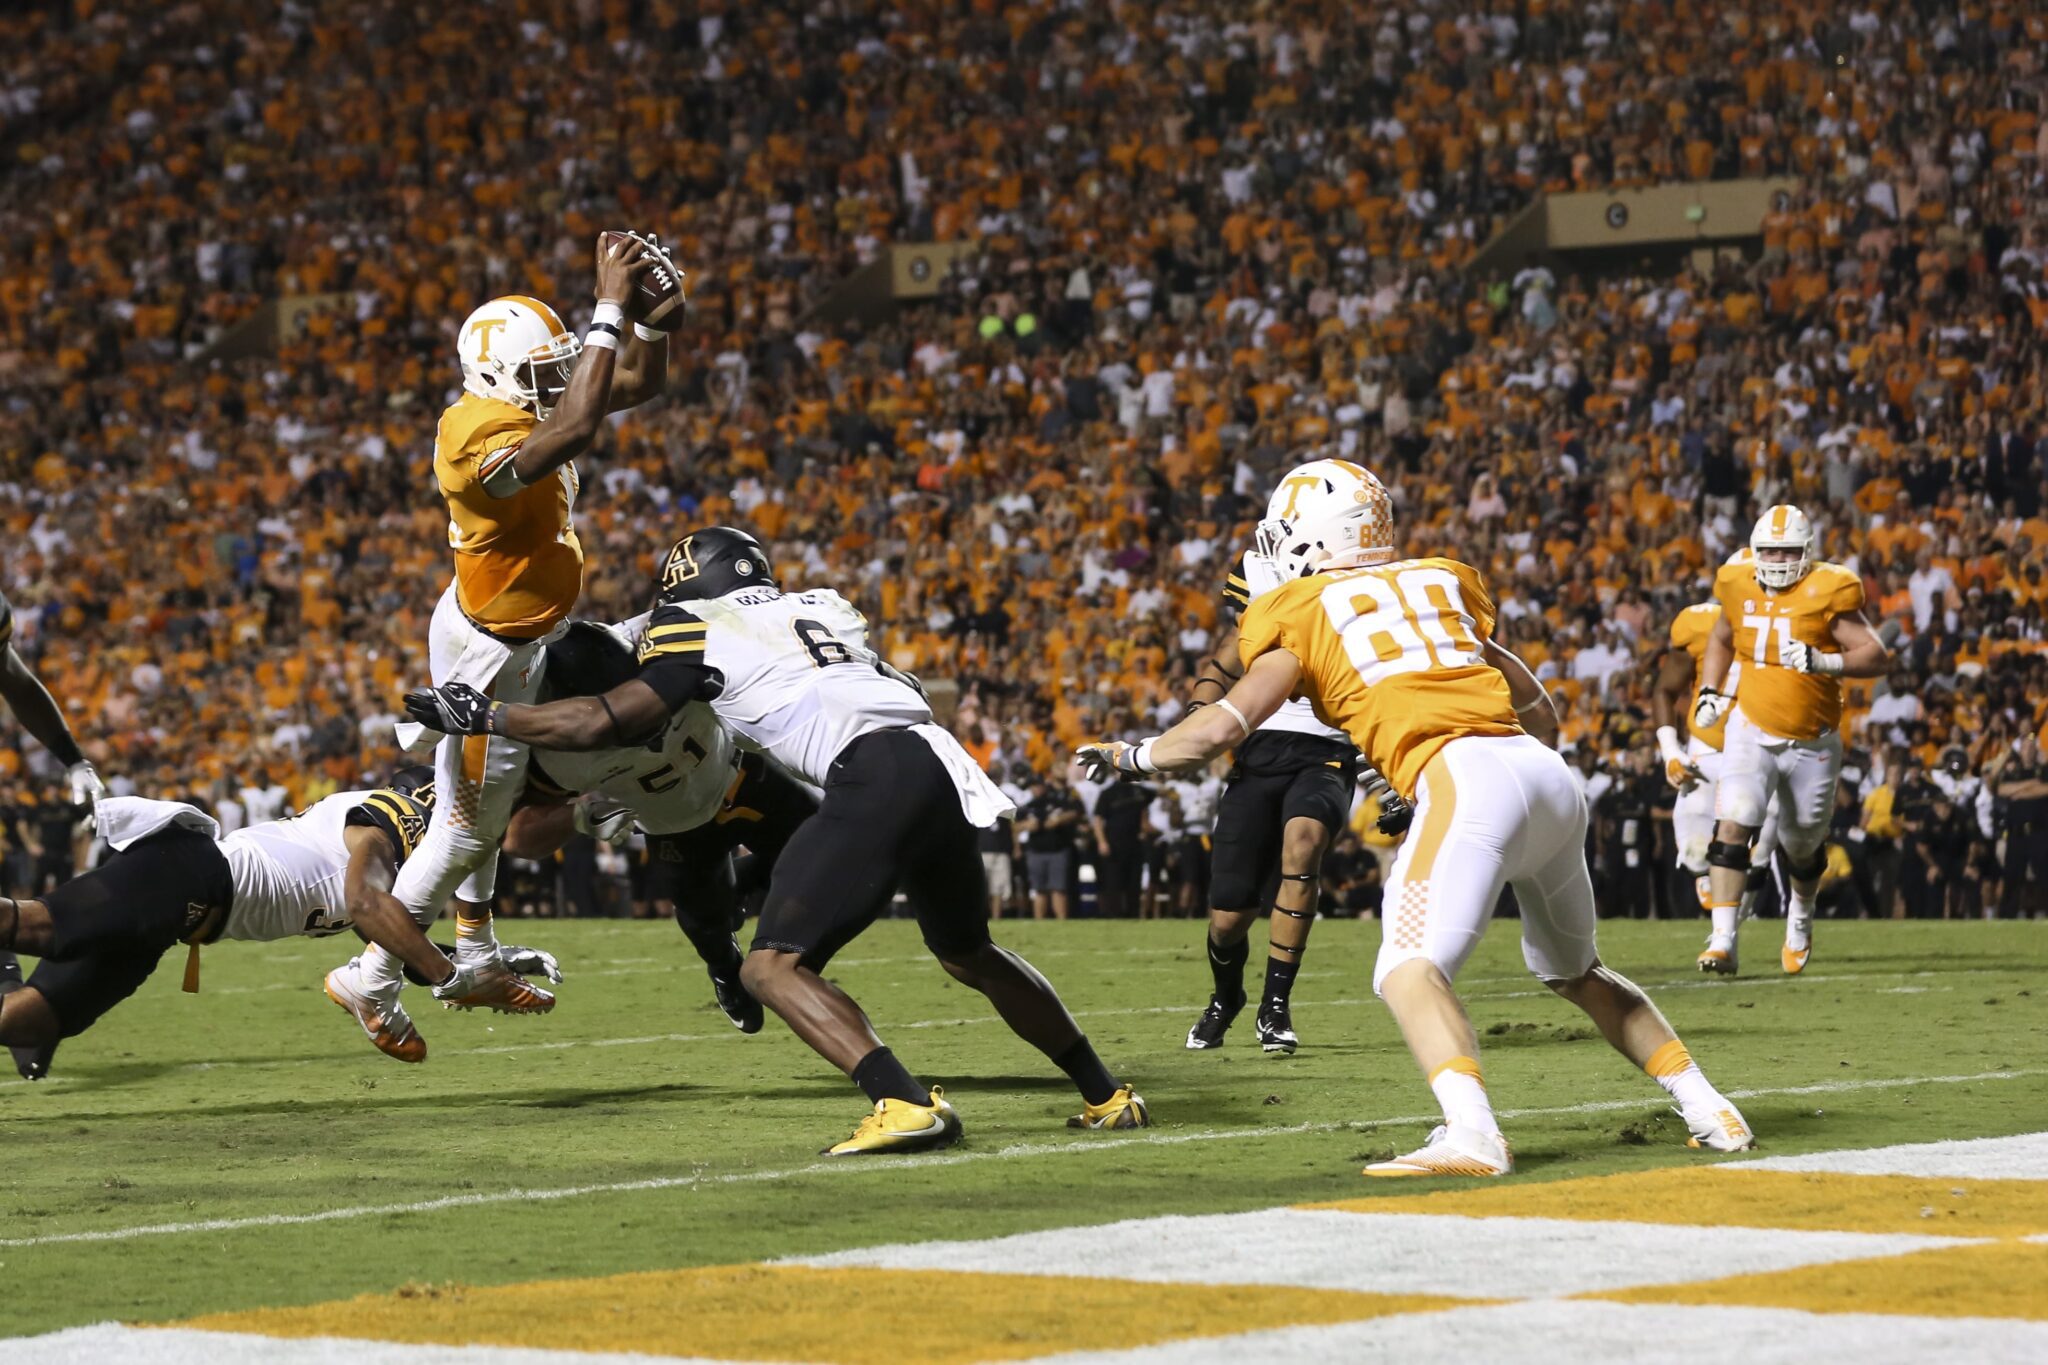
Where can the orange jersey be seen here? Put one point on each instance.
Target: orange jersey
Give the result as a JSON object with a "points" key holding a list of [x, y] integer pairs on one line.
{"points": [[1777, 699], [518, 564], [1389, 654], [1690, 631]]}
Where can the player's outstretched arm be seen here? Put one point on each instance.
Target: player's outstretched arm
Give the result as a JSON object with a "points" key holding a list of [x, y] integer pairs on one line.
{"points": [[381, 917], [630, 713], [570, 428], [1533, 707], [1217, 674], [40, 715], [1720, 654], [1206, 732]]}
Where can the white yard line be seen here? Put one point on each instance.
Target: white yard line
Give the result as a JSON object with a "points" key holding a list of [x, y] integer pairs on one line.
{"points": [[1014, 1151]]}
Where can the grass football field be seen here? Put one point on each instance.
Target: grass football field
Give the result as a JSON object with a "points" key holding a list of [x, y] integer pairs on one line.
{"points": [[246, 1149]]}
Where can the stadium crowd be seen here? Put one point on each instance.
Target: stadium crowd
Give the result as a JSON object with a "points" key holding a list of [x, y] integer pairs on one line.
{"points": [[1207, 239]]}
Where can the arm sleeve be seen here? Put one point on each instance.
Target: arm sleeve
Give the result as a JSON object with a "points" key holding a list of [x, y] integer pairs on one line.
{"points": [[678, 679]]}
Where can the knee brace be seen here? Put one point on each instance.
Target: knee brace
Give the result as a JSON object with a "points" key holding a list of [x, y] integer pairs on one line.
{"points": [[1810, 867], [1734, 857]]}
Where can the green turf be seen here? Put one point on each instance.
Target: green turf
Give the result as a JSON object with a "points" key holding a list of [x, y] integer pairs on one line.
{"points": [[258, 1097]]}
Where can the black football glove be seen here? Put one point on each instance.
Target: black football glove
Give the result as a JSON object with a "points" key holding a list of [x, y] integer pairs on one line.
{"points": [[456, 709]]}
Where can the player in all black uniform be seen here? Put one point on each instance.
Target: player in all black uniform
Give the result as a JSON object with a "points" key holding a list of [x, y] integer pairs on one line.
{"points": [[39, 714], [1287, 797]]}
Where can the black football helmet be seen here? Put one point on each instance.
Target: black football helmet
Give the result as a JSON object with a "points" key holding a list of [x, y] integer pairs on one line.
{"points": [[416, 782], [711, 563], [588, 661]]}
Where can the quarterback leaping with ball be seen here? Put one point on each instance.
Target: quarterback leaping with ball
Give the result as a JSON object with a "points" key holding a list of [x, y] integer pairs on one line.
{"points": [[534, 399], [1398, 653]]}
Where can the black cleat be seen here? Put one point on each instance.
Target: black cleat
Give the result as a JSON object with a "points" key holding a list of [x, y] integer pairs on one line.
{"points": [[32, 1062], [739, 1006], [1276, 1027], [1215, 1022]]}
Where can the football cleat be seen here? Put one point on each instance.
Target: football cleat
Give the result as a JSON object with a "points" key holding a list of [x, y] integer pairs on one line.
{"points": [[1718, 961], [1450, 1151], [733, 998], [1792, 959], [1276, 1027], [384, 1020], [1125, 1109], [1721, 1128], [1215, 1022], [900, 1126], [499, 988], [32, 1062]]}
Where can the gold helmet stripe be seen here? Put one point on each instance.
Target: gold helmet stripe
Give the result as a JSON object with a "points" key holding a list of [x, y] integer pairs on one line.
{"points": [[547, 314]]}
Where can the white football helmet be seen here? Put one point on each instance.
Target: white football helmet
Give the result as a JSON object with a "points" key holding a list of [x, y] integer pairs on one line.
{"points": [[516, 349], [1784, 527], [1327, 514]]}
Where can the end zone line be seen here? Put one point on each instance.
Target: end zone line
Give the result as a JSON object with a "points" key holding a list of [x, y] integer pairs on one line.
{"points": [[1014, 1150]]}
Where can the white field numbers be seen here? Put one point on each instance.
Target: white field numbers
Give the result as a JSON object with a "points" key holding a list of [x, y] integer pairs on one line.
{"points": [[1402, 621], [1763, 626]]}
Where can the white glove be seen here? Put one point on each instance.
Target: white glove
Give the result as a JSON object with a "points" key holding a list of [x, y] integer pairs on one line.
{"points": [[530, 962], [1679, 770], [87, 790], [1801, 657], [1708, 710], [603, 819], [1107, 759], [464, 982]]}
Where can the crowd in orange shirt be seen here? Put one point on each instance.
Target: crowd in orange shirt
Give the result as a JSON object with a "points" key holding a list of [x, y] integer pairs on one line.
{"points": [[1210, 240]]}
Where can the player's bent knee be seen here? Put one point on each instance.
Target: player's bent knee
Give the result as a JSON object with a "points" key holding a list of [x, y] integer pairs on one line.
{"points": [[26, 1020], [1729, 854], [1302, 846], [1807, 866], [766, 970]]}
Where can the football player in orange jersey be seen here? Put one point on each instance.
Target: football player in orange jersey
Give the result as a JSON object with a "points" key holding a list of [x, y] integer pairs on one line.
{"points": [[534, 399], [1797, 626], [1399, 654], [1693, 767]]}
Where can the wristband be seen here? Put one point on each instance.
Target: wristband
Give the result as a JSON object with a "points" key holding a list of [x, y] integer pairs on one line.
{"points": [[1830, 664], [605, 329], [491, 714], [1667, 742], [646, 333], [609, 312], [1141, 757]]}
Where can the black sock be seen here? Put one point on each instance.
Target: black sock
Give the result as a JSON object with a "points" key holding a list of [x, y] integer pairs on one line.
{"points": [[1280, 978], [881, 1077], [1087, 1072], [1226, 964]]}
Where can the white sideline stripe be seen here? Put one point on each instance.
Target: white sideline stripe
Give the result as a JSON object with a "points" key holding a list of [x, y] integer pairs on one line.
{"points": [[2020, 1157], [1077, 1147], [107, 1341]]}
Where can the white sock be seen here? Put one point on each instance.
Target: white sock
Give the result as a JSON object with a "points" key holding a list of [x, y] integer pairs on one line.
{"points": [[1672, 1067], [1798, 922], [1724, 927], [475, 937], [1463, 1095], [382, 971]]}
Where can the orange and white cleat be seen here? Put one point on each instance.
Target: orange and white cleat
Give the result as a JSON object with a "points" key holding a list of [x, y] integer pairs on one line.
{"points": [[1450, 1151], [491, 985], [383, 1019], [1798, 947], [1718, 961]]}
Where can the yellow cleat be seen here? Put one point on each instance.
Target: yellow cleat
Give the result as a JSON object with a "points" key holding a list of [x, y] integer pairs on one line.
{"points": [[499, 988], [1450, 1151], [1125, 1109], [900, 1126], [385, 1021], [1793, 960], [1716, 962]]}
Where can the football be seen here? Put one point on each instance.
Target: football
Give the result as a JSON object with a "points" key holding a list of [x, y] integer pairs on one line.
{"points": [[658, 285]]}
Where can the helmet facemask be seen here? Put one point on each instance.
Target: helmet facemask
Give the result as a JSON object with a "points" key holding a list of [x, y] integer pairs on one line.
{"points": [[540, 380], [1778, 575]]}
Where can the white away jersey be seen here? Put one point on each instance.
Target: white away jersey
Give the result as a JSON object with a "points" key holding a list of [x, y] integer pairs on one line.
{"points": [[674, 783], [288, 873], [1254, 577], [799, 683]]}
